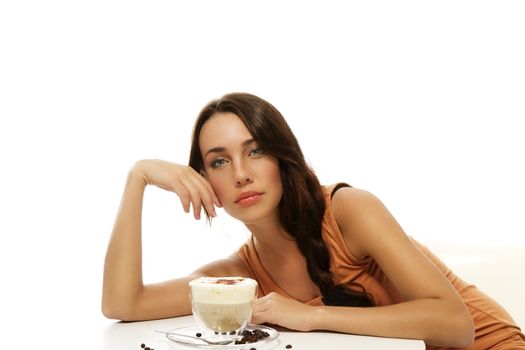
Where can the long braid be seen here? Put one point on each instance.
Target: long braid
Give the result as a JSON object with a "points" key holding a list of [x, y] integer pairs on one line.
{"points": [[303, 218]]}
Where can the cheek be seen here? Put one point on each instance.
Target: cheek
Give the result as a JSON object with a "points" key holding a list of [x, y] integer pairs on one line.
{"points": [[217, 184], [275, 174]]}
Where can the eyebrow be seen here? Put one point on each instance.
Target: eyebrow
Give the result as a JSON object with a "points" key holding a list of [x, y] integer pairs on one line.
{"points": [[222, 149]]}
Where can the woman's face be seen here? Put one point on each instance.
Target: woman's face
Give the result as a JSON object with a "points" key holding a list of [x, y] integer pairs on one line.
{"points": [[246, 180]]}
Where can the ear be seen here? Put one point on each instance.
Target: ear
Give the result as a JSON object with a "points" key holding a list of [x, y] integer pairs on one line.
{"points": [[203, 173]]}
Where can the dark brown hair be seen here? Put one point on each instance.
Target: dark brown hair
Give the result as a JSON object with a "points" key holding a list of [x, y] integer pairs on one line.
{"points": [[302, 205]]}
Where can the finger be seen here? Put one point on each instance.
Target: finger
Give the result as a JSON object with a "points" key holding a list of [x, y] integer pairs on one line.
{"points": [[207, 184], [210, 195], [183, 195], [260, 305], [256, 319], [207, 201], [214, 197], [206, 187], [186, 195], [260, 301], [260, 313], [206, 192], [198, 195], [195, 195]]}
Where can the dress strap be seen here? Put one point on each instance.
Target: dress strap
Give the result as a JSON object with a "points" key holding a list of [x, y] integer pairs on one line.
{"points": [[338, 186]]}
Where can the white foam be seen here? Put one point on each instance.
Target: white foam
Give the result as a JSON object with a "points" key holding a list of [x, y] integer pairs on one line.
{"points": [[217, 290]]}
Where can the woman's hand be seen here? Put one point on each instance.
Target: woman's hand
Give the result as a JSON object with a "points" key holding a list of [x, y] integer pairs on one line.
{"points": [[191, 187], [279, 310]]}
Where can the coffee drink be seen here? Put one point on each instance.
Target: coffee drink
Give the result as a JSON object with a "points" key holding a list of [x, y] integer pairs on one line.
{"points": [[222, 306]]}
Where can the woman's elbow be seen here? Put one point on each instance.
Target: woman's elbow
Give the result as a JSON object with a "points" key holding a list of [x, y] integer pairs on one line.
{"points": [[111, 313], [466, 330], [116, 313], [455, 329], [460, 330]]}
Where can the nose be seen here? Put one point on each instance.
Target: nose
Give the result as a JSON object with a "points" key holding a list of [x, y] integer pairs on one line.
{"points": [[242, 177], [243, 181]]}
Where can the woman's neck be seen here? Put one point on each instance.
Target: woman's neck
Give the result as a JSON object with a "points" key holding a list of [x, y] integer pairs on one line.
{"points": [[282, 260], [271, 238]]}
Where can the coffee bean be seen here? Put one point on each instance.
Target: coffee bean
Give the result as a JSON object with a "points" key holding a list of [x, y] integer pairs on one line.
{"points": [[198, 335], [288, 346], [143, 345], [252, 336]]}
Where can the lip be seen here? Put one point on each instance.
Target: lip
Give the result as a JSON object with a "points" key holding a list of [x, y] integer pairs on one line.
{"points": [[248, 197]]}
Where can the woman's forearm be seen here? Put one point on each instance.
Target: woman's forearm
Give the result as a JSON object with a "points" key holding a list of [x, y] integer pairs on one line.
{"points": [[432, 320], [123, 263]]}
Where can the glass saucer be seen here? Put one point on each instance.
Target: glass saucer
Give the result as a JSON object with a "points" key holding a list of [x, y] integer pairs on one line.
{"points": [[194, 329]]}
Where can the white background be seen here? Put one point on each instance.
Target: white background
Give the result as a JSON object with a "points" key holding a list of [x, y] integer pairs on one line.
{"points": [[419, 102]]}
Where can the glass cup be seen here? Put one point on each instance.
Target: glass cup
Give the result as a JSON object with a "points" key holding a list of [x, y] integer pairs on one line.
{"points": [[222, 306]]}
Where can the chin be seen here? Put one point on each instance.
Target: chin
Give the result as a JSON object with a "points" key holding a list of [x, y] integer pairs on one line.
{"points": [[247, 219], [249, 216]]}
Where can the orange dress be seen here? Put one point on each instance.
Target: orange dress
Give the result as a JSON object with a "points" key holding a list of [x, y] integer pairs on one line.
{"points": [[495, 328]]}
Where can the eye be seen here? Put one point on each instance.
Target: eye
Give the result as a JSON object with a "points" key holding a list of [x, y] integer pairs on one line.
{"points": [[217, 163], [256, 151]]}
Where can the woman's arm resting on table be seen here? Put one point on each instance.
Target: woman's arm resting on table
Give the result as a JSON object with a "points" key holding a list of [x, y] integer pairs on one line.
{"points": [[124, 296], [170, 298], [433, 311]]}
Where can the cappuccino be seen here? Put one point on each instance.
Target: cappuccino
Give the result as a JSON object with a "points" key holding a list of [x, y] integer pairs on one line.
{"points": [[222, 306]]}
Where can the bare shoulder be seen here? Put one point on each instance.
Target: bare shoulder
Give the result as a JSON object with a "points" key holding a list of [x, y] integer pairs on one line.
{"points": [[230, 266], [349, 195], [354, 201], [361, 216]]}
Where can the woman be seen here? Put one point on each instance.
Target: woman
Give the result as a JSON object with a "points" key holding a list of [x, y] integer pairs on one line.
{"points": [[326, 258]]}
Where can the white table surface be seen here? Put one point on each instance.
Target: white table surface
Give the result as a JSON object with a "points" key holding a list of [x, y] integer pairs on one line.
{"points": [[130, 336]]}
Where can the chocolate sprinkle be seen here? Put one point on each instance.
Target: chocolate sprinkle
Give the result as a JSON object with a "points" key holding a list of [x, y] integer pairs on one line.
{"points": [[229, 281]]}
